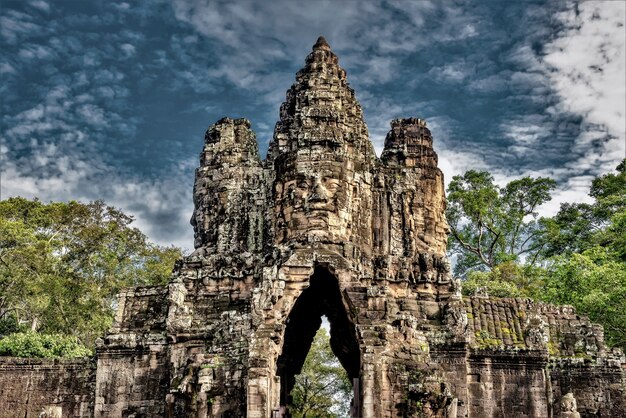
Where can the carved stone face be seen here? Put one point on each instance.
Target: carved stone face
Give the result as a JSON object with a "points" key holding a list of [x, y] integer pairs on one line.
{"points": [[568, 403], [316, 204], [316, 194]]}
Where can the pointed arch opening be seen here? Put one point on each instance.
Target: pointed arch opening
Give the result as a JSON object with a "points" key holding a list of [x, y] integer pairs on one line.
{"points": [[321, 298]]}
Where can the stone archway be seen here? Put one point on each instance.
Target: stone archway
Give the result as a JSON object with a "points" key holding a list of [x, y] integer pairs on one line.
{"points": [[322, 298]]}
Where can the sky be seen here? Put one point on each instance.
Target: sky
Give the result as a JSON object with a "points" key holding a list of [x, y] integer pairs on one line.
{"points": [[110, 100]]}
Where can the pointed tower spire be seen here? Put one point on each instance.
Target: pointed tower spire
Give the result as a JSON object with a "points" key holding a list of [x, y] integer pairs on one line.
{"points": [[319, 154], [321, 44], [321, 112]]}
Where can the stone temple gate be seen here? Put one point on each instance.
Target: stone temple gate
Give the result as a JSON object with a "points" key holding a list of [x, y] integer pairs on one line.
{"points": [[323, 226]]}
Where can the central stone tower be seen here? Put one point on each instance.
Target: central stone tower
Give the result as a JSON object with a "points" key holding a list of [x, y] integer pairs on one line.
{"points": [[321, 227]]}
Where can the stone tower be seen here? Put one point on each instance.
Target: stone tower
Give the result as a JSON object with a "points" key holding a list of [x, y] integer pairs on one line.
{"points": [[321, 227]]}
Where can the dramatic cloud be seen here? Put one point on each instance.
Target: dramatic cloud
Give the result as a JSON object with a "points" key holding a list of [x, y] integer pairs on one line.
{"points": [[110, 100]]}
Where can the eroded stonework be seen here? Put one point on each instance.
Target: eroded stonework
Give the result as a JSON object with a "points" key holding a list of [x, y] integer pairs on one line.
{"points": [[324, 227]]}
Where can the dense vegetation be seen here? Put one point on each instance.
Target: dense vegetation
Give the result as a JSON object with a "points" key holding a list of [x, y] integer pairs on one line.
{"points": [[33, 344], [61, 266], [577, 257], [322, 389]]}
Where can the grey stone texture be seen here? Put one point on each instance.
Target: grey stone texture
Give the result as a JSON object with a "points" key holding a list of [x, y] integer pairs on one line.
{"points": [[46, 388], [322, 227]]}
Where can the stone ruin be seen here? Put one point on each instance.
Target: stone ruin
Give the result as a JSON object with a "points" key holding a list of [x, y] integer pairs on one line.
{"points": [[323, 227]]}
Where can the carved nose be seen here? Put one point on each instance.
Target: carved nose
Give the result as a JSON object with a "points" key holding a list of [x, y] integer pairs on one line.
{"points": [[319, 193], [316, 197]]}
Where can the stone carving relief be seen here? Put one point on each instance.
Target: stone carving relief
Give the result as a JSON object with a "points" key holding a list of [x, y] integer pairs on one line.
{"points": [[536, 332], [455, 318], [568, 406]]}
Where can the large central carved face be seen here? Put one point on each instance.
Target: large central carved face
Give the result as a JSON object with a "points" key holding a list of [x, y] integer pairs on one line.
{"points": [[316, 203], [315, 193]]}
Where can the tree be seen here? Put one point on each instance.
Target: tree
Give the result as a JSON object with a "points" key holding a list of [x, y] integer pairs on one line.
{"points": [[594, 283], [585, 249], [581, 226], [62, 264], [322, 389], [506, 280], [609, 192], [32, 344], [492, 225], [581, 250]]}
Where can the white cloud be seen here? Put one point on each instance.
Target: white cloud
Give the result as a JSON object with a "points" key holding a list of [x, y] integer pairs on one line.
{"points": [[36, 52], [14, 25], [128, 50], [370, 37], [162, 208], [377, 70], [6, 68], [490, 84], [587, 69], [92, 114], [456, 162], [529, 134], [450, 73], [121, 6], [41, 5], [583, 68], [257, 47], [379, 112]]}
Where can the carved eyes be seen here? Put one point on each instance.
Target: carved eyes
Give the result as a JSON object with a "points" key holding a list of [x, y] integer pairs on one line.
{"points": [[328, 183], [331, 184]]}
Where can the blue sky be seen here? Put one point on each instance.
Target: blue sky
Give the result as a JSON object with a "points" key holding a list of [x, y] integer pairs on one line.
{"points": [[110, 100]]}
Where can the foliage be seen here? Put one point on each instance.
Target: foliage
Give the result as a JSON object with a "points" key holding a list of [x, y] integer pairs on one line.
{"points": [[595, 284], [323, 388], [570, 230], [492, 225], [507, 280], [10, 325], [585, 250], [581, 226], [32, 344], [582, 249], [62, 264]]}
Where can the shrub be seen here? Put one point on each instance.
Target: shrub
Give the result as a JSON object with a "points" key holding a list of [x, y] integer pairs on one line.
{"points": [[32, 344]]}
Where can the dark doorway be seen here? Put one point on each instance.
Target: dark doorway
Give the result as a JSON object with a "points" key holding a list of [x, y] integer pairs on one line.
{"points": [[321, 298]]}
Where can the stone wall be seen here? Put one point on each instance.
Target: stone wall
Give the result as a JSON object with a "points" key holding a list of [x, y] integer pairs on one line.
{"points": [[46, 388], [599, 388], [133, 370]]}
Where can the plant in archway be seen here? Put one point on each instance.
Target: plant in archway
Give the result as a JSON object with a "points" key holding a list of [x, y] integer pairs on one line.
{"points": [[322, 389]]}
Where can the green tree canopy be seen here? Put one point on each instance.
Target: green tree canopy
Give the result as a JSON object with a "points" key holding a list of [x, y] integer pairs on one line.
{"points": [[32, 344], [492, 225], [585, 250], [62, 264], [506, 280], [580, 226], [594, 283], [323, 388], [582, 249]]}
